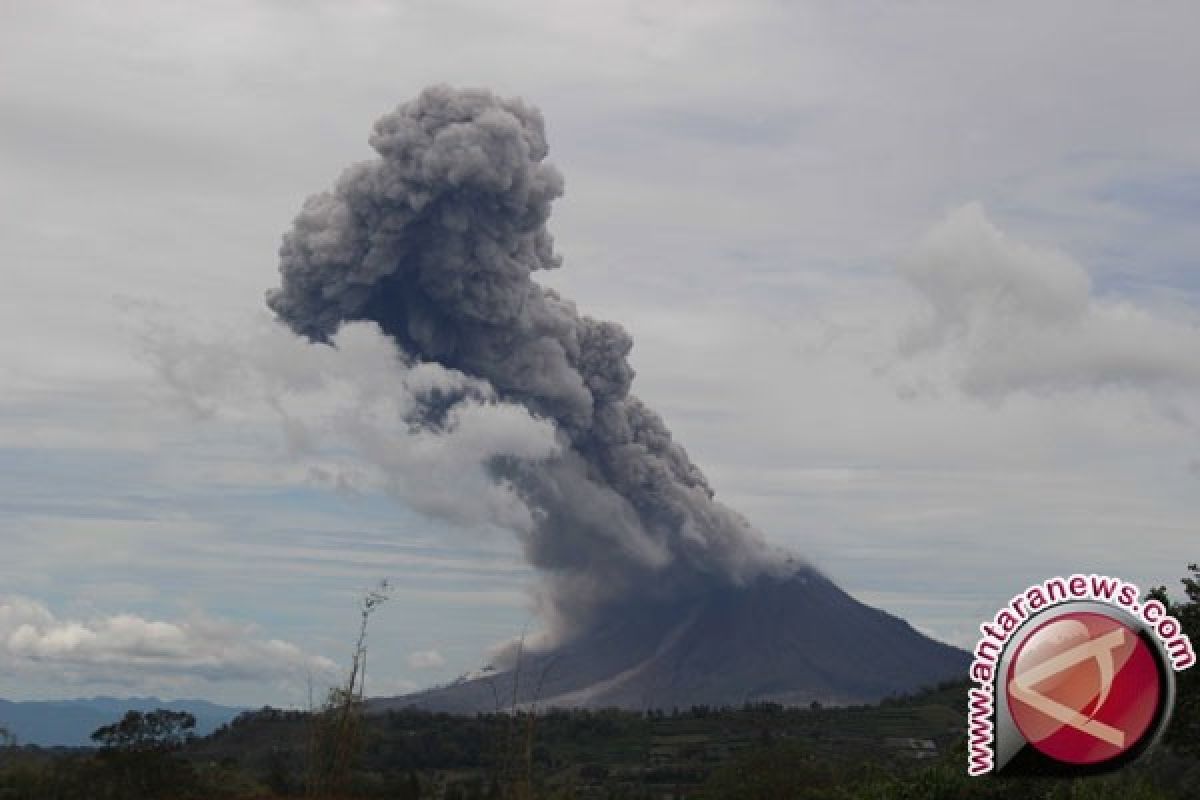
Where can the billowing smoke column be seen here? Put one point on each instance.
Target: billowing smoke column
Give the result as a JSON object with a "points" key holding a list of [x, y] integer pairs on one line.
{"points": [[436, 241]]}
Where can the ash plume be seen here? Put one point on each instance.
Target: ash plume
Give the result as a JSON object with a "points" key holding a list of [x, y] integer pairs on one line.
{"points": [[437, 241]]}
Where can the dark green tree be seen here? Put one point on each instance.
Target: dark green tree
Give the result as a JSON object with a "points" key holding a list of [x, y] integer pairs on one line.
{"points": [[772, 771], [1184, 733], [162, 730], [139, 759]]}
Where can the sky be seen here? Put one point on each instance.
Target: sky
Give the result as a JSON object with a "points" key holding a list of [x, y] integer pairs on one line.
{"points": [[915, 285]]}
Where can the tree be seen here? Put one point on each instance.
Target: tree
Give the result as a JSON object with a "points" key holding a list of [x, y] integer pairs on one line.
{"points": [[336, 733], [160, 730], [1184, 733], [139, 756], [775, 770]]}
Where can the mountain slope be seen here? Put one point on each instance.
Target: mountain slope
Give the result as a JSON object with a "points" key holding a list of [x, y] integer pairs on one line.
{"points": [[786, 640]]}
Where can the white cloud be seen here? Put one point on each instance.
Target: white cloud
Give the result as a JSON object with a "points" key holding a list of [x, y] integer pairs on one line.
{"points": [[426, 659], [345, 409], [129, 649], [1014, 316]]}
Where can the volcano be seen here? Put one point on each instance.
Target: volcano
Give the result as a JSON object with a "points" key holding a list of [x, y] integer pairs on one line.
{"points": [[655, 592], [787, 640]]}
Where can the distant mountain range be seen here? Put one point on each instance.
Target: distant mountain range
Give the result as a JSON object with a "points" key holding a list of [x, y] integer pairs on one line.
{"points": [[69, 723], [790, 640]]}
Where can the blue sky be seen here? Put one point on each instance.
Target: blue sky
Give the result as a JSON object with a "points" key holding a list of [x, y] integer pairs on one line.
{"points": [[777, 200]]}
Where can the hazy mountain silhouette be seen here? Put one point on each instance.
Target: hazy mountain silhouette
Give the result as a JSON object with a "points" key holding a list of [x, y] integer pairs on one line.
{"points": [[69, 723]]}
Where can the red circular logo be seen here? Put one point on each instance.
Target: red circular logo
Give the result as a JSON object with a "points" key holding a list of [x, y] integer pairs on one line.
{"points": [[1083, 688]]}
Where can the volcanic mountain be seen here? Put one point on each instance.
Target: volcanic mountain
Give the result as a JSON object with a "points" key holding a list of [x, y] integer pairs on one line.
{"points": [[788, 640], [488, 396]]}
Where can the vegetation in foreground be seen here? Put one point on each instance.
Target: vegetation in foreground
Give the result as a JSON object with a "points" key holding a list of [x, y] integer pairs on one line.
{"points": [[903, 748]]}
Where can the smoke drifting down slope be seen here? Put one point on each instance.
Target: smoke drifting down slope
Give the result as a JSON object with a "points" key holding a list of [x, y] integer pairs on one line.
{"points": [[437, 241], [788, 640]]}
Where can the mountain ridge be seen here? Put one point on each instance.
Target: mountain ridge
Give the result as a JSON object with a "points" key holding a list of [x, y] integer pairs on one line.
{"points": [[791, 640]]}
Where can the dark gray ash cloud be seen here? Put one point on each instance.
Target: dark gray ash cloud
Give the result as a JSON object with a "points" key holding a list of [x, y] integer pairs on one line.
{"points": [[437, 241]]}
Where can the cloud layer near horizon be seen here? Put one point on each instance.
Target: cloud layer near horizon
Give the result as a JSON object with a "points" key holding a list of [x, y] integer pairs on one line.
{"points": [[130, 651]]}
